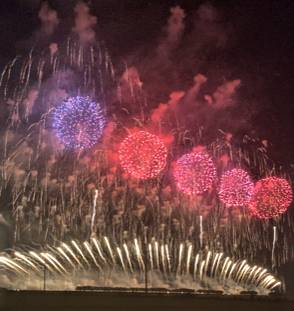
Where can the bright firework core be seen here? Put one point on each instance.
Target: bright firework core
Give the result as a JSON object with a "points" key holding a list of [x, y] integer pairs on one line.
{"points": [[78, 122], [142, 155], [236, 188], [271, 197], [194, 173]]}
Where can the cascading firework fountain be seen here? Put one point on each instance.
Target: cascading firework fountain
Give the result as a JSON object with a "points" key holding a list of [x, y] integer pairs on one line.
{"points": [[103, 263]]}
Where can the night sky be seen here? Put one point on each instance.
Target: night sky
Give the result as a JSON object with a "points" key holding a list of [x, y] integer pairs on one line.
{"points": [[225, 40], [255, 45]]}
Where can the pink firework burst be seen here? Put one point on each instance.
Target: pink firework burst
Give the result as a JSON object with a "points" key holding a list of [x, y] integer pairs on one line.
{"points": [[194, 173], [142, 155], [271, 197], [236, 188]]}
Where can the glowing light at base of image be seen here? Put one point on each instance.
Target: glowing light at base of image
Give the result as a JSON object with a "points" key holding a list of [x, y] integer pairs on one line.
{"points": [[236, 188], [142, 155], [74, 263], [271, 197], [78, 122], [194, 173]]}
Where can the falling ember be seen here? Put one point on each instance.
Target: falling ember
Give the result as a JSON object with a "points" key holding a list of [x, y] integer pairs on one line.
{"points": [[143, 155], [194, 173], [236, 188], [127, 262], [78, 122], [271, 197]]}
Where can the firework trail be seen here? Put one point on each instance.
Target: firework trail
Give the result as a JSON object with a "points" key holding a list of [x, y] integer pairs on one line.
{"points": [[201, 230], [94, 212], [57, 260], [274, 246]]}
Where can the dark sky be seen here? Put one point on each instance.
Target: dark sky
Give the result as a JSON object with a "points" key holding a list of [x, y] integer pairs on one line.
{"points": [[258, 49]]}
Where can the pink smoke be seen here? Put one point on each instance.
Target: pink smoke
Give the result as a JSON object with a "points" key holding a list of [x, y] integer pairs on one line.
{"points": [[84, 23], [224, 93], [174, 30], [49, 19]]}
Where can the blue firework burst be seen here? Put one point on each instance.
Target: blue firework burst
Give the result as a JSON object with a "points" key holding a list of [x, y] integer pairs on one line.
{"points": [[78, 122]]}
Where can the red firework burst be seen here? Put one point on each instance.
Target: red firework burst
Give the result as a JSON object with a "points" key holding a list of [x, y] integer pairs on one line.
{"points": [[271, 197], [142, 155], [194, 173], [236, 188]]}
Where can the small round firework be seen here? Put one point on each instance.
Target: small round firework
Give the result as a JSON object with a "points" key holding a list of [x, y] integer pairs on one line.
{"points": [[194, 173], [142, 155], [236, 188], [271, 197], [78, 122]]}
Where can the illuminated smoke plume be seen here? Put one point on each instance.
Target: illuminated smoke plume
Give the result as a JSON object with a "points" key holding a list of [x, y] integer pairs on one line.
{"points": [[174, 31], [208, 27], [49, 19], [130, 86], [191, 94], [159, 113], [84, 23], [53, 47], [223, 96], [29, 102]]}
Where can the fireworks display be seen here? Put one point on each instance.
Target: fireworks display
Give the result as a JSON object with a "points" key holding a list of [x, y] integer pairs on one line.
{"points": [[142, 155], [78, 122], [236, 188], [126, 264], [194, 173], [76, 213], [271, 197]]}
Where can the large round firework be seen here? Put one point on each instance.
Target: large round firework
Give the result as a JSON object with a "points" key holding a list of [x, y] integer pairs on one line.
{"points": [[194, 173], [78, 122], [271, 197], [236, 188], [142, 155]]}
